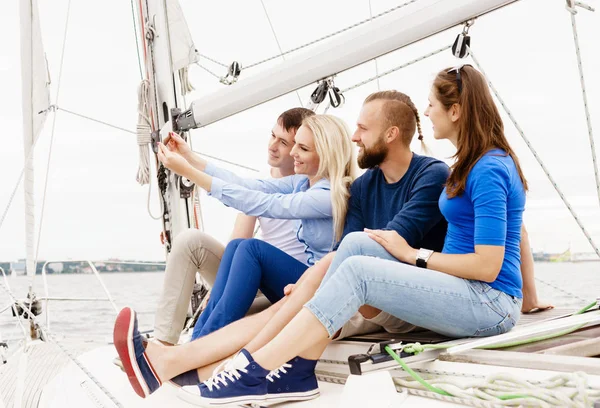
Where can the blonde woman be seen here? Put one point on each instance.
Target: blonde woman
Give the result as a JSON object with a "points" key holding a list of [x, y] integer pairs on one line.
{"points": [[316, 196]]}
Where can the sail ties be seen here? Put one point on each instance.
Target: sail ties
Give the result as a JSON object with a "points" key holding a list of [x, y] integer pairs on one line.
{"points": [[143, 132]]}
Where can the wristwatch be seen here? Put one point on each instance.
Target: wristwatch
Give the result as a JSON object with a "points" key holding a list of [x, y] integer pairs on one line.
{"points": [[423, 256]]}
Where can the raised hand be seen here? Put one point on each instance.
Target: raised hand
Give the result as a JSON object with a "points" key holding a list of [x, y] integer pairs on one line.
{"points": [[177, 145], [174, 161]]}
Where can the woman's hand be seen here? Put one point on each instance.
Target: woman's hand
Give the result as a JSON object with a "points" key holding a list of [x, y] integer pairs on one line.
{"points": [[174, 161], [531, 305], [288, 289], [394, 244], [177, 145]]}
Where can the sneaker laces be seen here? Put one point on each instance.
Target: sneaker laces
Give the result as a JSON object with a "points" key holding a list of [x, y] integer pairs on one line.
{"points": [[228, 373], [275, 373]]}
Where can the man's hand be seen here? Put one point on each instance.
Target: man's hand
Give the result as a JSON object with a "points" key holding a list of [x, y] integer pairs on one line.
{"points": [[174, 161], [394, 244]]}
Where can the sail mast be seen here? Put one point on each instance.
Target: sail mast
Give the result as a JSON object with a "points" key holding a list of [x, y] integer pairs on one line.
{"points": [[35, 103], [28, 138], [165, 94]]}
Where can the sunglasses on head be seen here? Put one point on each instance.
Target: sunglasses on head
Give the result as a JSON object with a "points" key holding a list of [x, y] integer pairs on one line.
{"points": [[458, 76]]}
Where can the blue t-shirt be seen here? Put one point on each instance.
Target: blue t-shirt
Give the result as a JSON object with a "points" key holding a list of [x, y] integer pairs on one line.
{"points": [[409, 206], [489, 212]]}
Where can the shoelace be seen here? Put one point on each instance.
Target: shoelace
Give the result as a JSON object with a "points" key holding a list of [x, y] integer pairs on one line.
{"points": [[228, 373], [275, 373]]}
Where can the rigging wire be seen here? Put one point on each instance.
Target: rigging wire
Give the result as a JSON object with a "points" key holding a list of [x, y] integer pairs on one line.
{"points": [[308, 44], [278, 44], [588, 118], [399, 67], [137, 44], [533, 151], [95, 120], [398, 7], [60, 72], [376, 63]]}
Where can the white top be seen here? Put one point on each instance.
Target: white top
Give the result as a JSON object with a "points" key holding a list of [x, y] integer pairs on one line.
{"points": [[282, 234]]}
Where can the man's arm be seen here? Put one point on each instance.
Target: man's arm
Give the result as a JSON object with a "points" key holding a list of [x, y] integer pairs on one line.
{"points": [[530, 299], [421, 212], [243, 227]]}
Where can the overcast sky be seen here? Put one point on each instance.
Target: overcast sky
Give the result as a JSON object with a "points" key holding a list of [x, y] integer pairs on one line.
{"points": [[95, 208]]}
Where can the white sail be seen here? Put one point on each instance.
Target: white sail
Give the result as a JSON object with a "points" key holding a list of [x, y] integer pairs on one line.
{"points": [[36, 100], [183, 50]]}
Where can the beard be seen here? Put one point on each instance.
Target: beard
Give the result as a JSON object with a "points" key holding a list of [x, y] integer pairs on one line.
{"points": [[373, 156]]}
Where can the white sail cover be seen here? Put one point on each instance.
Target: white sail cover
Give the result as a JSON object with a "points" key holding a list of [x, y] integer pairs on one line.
{"points": [[183, 51], [36, 100]]}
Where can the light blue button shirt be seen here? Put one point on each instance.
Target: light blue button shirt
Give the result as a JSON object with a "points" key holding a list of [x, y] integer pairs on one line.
{"points": [[285, 198]]}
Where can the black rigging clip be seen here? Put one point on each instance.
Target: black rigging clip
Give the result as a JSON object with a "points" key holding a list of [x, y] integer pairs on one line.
{"points": [[460, 48], [235, 69], [325, 88]]}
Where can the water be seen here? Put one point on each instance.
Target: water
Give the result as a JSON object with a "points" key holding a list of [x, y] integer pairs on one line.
{"points": [[92, 322]]}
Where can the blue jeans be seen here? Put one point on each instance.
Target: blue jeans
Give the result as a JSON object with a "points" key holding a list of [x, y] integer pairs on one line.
{"points": [[246, 266], [364, 273]]}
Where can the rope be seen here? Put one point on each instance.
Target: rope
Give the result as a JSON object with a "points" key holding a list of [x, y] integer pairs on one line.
{"points": [[375, 60], [51, 337], [539, 160], [227, 161], [186, 85], [333, 34], [162, 207], [212, 60], [137, 44], [278, 44], [144, 133], [60, 72], [564, 390], [585, 101], [94, 120], [560, 289], [396, 68], [209, 71]]}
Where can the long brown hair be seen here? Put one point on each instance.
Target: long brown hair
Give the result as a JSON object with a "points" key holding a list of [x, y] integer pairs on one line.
{"points": [[480, 126]]}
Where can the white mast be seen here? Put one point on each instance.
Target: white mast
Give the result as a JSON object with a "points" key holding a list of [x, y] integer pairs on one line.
{"points": [[36, 99], [165, 95], [363, 44]]}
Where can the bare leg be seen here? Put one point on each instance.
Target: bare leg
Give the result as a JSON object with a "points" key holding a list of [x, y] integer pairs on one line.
{"points": [[171, 361], [305, 289], [302, 334]]}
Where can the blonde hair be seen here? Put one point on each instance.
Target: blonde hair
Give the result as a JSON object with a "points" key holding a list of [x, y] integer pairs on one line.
{"points": [[336, 162]]}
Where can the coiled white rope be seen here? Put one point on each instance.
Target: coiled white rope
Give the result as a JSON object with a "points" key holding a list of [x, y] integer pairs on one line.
{"points": [[144, 133], [563, 390]]}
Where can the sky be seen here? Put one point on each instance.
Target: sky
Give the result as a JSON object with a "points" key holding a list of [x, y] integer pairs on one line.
{"points": [[94, 207]]}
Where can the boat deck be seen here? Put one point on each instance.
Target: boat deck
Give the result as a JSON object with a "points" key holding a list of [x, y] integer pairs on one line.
{"points": [[43, 361]]}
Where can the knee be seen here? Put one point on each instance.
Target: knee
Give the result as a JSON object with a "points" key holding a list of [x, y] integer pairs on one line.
{"points": [[234, 244], [355, 243], [190, 240], [251, 246]]}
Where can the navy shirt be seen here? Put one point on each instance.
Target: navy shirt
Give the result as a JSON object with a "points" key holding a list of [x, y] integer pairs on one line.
{"points": [[489, 212], [409, 206]]}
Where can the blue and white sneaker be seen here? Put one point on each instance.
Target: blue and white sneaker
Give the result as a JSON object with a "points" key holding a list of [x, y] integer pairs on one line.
{"points": [[129, 345], [293, 381], [242, 381]]}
